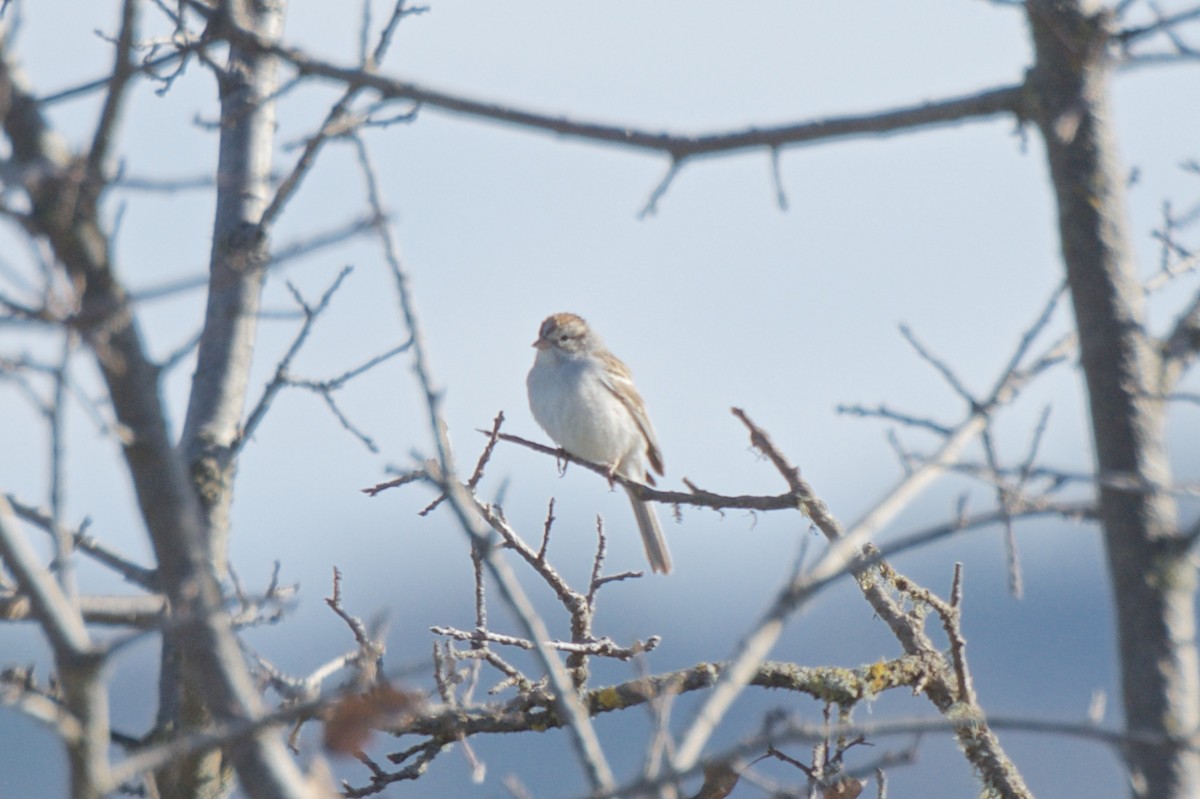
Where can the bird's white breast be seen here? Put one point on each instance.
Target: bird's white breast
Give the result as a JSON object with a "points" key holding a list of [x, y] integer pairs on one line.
{"points": [[569, 399]]}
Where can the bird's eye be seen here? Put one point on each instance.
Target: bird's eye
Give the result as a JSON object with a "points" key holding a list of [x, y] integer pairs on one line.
{"points": [[563, 338]]}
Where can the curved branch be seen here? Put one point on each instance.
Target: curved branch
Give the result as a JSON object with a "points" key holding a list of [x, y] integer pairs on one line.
{"points": [[1008, 99]]}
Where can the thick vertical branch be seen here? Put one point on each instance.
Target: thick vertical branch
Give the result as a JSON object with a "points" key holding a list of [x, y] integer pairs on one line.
{"points": [[236, 271], [236, 267], [1152, 578]]}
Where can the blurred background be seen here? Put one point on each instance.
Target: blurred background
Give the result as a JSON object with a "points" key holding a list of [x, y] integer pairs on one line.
{"points": [[719, 298]]}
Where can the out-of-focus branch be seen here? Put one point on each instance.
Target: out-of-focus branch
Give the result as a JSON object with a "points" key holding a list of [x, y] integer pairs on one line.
{"points": [[328, 387], [63, 213], [1074, 511], [1180, 347], [1163, 24], [56, 421], [338, 121], [794, 732], [123, 71], [281, 377], [78, 662], [1001, 100], [279, 258], [148, 66], [139, 575], [59, 618], [142, 612], [678, 148]]}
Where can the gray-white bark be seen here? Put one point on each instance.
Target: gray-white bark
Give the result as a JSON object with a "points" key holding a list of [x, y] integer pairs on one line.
{"points": [[216, 404], [236, 268], [1153, 578]]}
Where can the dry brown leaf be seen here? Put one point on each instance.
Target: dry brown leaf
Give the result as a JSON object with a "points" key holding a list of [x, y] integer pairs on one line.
{"points": [[719, 781], [349, 723]]}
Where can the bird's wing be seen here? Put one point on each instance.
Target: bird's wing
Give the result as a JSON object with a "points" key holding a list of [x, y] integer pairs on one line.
{"points": [[618, 380]]}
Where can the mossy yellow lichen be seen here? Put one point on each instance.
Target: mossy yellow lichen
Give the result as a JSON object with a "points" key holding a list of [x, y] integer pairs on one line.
{"points": [[607, 699], [877, 677]]}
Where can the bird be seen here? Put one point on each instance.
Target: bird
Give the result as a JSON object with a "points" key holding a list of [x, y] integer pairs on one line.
{"points": [[584, 398]]}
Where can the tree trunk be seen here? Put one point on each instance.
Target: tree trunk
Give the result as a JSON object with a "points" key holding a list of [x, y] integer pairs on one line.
{"points": [[1152, 578], [236, 271]]}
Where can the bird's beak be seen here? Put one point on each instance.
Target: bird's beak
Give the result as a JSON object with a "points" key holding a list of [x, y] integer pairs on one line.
{"points": [[541, 344]]}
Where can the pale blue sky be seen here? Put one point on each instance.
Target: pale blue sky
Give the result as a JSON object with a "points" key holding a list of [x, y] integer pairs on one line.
{"points": [[719, 299]]}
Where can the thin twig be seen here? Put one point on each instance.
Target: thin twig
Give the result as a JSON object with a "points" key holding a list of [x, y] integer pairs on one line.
{"points": [[937, 363], [281, 378], [126, 568], [122, 72]]}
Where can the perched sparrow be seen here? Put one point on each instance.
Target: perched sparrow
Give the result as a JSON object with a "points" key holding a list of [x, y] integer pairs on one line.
{"points": [[584, 398]]}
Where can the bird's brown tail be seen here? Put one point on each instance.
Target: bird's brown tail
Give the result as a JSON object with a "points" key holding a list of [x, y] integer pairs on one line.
{"points": [[652, 537]]}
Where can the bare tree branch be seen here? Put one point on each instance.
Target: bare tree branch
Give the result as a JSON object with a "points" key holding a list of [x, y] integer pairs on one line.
{"points": [[237, 270], [279, 258], [1153, 576], [1162, 24], [282, 377], [812, 733], [1002, 100], [696, 496], [1180, 347], [123, 71], [142, 612], [989, 103], [60, 620], [165, 497], [139, 575], [79, 663]]}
